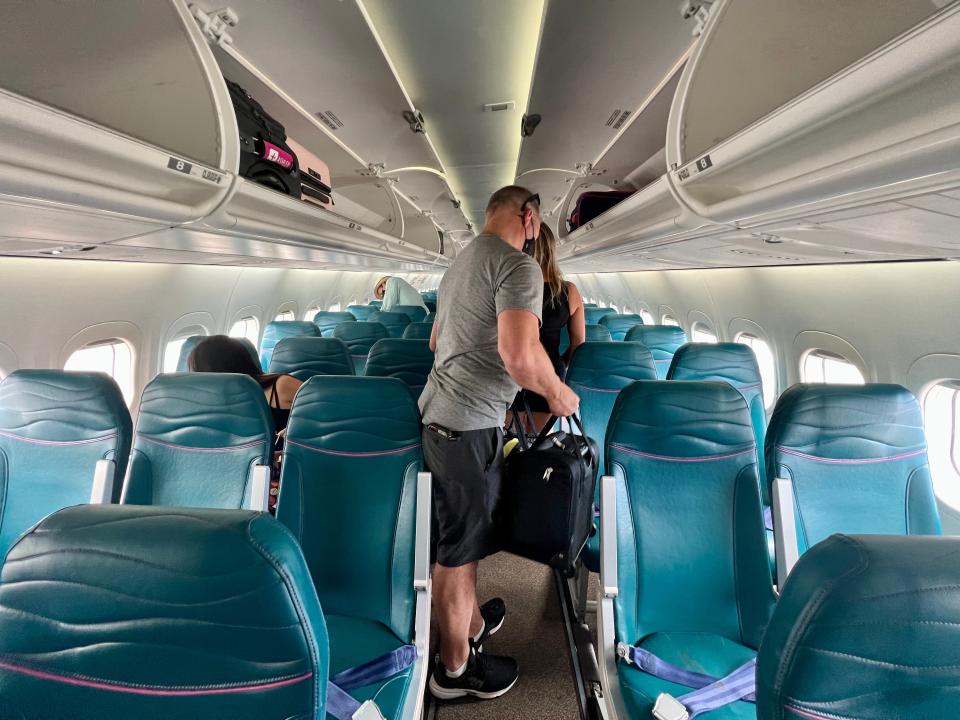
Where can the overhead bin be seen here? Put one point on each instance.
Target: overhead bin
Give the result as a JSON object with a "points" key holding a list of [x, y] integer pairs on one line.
{"points": [[108, 129], [787, 109]]}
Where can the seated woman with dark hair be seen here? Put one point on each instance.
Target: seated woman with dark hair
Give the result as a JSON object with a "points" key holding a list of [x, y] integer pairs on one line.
{"points": [[219, 353]]}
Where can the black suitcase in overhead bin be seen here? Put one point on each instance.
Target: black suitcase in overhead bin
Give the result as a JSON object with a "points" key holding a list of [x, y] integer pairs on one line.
{"points": [[546, 499], [591, 204], [265, 156]]}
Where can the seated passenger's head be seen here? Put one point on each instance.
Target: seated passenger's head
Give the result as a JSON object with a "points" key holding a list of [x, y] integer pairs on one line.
{"points": [[219, 353], [514, 212], [545, 253], [381, 287]]}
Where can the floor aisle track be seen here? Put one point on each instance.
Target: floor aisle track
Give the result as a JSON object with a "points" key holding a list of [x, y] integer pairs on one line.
{"points": [[533, 634]]}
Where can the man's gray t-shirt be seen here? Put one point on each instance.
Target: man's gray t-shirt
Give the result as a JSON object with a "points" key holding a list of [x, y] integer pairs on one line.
{"points": [[469, 388]]}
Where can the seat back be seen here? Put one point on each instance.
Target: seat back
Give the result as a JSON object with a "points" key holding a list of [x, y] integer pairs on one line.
{"points": [[277, 330], [395, 322], [598, 372], [735, 364], [416, 313], [404, 359], [619, 325], [662, 341], [304, 357], [597, 333], [593, 315], [865, 628], [326, 321], [188, 345], [112, 611], [348, 494], [691, 546], [857, 458], [431, 316], [360, 312], [418, 331], [359, 337], [375, 303], [197, 441], [54, 427]]}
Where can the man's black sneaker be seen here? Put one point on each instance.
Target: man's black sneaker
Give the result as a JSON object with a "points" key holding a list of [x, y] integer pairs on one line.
{"points": [[493, 612], [486, 677]]}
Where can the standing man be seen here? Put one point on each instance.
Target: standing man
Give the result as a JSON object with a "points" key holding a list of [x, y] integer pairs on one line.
{"points": [[487, 343], [395, 291]]}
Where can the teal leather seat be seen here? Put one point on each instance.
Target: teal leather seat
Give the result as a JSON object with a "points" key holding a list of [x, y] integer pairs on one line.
{"points": [[54, 428], [277, 330], [866, 628], [405, 359], [619, 325], [188, 345], [326, 321], [593, 315], [375, 303], [304, 357], [857, 459], [431, 317], [694, 583], [348, 494], [395, 322], [153, 613], [661, 340], [597, 333], [360, 312], [598, 372], [359, 337], [416, 313], [198, 441], [418, 331]]}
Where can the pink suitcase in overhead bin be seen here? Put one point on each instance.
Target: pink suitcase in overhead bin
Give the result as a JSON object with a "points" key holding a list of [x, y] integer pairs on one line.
{"points": [[314, 176]]}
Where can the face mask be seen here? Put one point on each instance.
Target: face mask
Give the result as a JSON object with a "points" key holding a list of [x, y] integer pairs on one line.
{"points": [[528, 243]]}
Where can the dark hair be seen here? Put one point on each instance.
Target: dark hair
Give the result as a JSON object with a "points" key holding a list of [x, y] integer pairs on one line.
{"points": [[513, 196], [219, 353]]}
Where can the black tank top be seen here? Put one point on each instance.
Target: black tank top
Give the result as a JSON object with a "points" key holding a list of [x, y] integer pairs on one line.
{"points": [[281, 416], [556, 315]]}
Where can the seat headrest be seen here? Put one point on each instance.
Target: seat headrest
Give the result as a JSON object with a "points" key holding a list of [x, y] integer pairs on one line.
{"points": [[395, 322], [327, 320], [837, 423], [665, 337], [204, 411], [406, 359], [682, 421], [360, 334], [56, 407], [304, 357], [158, 612], [593, 315], [733, 363], [431, 316], [866, 627], [188, 345], [619, 325], [610, 365], [277, 330], [416, 313], [418, 331], [360, 312], [597, 333]]}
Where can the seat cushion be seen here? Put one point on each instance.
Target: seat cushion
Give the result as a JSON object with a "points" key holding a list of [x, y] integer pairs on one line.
{"points": [[701, 652], [354, 641]]}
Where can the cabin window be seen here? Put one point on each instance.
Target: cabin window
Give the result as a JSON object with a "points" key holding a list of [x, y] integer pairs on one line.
{"points": [[941, 417], [334, 308], [669, 320], [820, 366], [113, 357], [767, 364], [171, 353], [311, 312], [247, 327], [647, 317], [702, 333], [285, 316]]}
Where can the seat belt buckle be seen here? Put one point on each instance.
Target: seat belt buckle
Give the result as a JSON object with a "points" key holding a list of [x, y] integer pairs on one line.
{"points": [[667, 707], [623, 652], [368, 711]]}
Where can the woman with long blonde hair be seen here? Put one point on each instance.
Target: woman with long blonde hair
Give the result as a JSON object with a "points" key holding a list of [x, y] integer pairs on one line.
{"points": [[562, 308]]}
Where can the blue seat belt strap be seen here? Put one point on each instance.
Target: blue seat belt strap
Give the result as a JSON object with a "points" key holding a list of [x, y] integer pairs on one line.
{"points": [[741, 684], [342, 705]]}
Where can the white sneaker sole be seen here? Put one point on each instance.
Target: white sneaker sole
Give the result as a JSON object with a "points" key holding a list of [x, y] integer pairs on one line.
{"points": [[443, 693]]}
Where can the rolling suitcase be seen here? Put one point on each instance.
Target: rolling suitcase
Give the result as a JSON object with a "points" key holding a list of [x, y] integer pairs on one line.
{"points": [[546, 500], [591, 204], [265, 156], [315, 184]]}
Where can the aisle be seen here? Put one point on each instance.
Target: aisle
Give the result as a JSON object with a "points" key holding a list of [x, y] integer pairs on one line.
{"points": [[533, 634]]}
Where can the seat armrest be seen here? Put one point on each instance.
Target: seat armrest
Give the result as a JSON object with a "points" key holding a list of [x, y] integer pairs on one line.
{"points": [[101, 492], [784, 529], [421, 557], [609, 581], [260, 488]]}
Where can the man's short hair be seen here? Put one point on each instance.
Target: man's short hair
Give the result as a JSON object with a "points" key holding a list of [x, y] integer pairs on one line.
{"points": [[511, 196]]}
